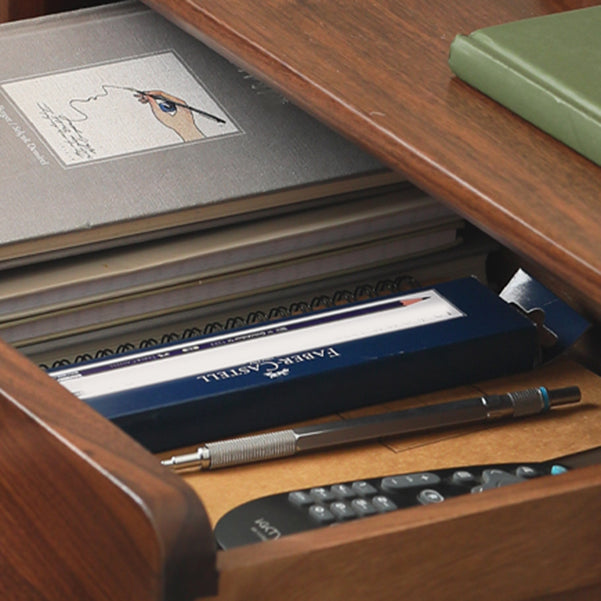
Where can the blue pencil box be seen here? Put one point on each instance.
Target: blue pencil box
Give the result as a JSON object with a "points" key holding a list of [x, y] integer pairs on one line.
{"points": [[327, 361]]}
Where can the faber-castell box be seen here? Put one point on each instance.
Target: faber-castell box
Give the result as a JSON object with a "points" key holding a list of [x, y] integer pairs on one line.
{"points": [[302, 367]]}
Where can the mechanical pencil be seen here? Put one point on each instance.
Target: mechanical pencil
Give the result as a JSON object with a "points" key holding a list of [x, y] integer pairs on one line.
{"points": [[284, 443]]}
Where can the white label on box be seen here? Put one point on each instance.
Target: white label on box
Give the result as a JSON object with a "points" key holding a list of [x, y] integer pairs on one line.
{"points": [[257, 344]]}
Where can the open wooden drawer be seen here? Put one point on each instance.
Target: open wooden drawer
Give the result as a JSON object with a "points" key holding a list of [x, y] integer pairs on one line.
{"points": [[88, 514]]}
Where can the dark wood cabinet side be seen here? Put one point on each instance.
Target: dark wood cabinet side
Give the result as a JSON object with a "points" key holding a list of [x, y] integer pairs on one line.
{"points": [[76, 492], [11, 10]]}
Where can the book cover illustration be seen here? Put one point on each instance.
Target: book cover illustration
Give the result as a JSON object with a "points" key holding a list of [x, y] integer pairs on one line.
{"points": [[117, 126], [105, 111]]}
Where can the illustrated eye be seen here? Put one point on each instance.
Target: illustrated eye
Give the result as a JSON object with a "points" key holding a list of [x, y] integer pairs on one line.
{"points": [[167, 106]]}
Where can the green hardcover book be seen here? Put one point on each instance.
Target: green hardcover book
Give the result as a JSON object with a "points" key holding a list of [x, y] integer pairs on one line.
{"points": [[546, 69]]}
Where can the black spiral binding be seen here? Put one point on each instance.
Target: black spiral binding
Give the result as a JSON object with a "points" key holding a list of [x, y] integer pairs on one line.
{"points": [[341, 297]]}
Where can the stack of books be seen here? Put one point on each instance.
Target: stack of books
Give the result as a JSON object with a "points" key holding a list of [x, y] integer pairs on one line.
{"points": [[148, 180]]}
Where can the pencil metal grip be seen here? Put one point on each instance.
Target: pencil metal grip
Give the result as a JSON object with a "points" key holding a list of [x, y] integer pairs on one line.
{"points": [[236, 451], [248, 449]]}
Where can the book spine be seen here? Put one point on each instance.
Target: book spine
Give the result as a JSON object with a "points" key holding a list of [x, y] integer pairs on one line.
{"points": [[543, 102]]}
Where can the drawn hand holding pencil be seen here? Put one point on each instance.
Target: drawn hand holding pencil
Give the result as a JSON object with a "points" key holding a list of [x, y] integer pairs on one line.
{"points": [[174, 113]]}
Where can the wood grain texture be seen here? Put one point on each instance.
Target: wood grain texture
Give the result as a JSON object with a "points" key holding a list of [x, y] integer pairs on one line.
{"points": [[87, 513], [471, 545], [11, 10], [469, 548], [377, 71]]}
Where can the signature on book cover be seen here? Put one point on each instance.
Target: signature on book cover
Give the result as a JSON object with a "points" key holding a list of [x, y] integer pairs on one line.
{"points": [[101, 112]]}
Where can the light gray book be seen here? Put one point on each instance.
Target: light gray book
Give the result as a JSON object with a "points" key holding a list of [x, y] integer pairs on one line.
{"points": [[416, 222], [115, 126]]}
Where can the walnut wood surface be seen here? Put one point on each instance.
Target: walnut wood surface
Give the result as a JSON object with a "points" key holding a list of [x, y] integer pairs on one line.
{"points": [[468, 548], [378, 72], [88, 514], [11, 10]]}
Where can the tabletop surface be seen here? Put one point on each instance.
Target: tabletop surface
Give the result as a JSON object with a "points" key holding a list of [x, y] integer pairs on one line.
{"points": [[378, 72]]}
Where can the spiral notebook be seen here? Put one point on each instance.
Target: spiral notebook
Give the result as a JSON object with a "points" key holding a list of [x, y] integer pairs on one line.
{"points": [[467, 259]]}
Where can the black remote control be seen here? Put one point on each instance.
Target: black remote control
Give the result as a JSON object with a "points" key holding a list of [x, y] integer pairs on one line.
{"points": [[274, 516]]}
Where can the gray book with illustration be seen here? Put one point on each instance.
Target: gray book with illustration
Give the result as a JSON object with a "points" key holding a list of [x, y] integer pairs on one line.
{"points": [[115, 125]]}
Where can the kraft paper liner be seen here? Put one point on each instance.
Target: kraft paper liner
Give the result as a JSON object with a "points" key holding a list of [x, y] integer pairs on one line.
{"points": [[562, 431]]}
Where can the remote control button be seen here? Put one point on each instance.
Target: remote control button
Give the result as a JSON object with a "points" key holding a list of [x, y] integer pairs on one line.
{"points": [[321, 514], [493, 471], [558, 469], [495, 478], [321, 494], [499, 477], [343, 491], [363, 507], [396, 483], [342, 510], [300, 498], [364, 489], [525, 471], [429, 496], [463, 477], [383, 504]]}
